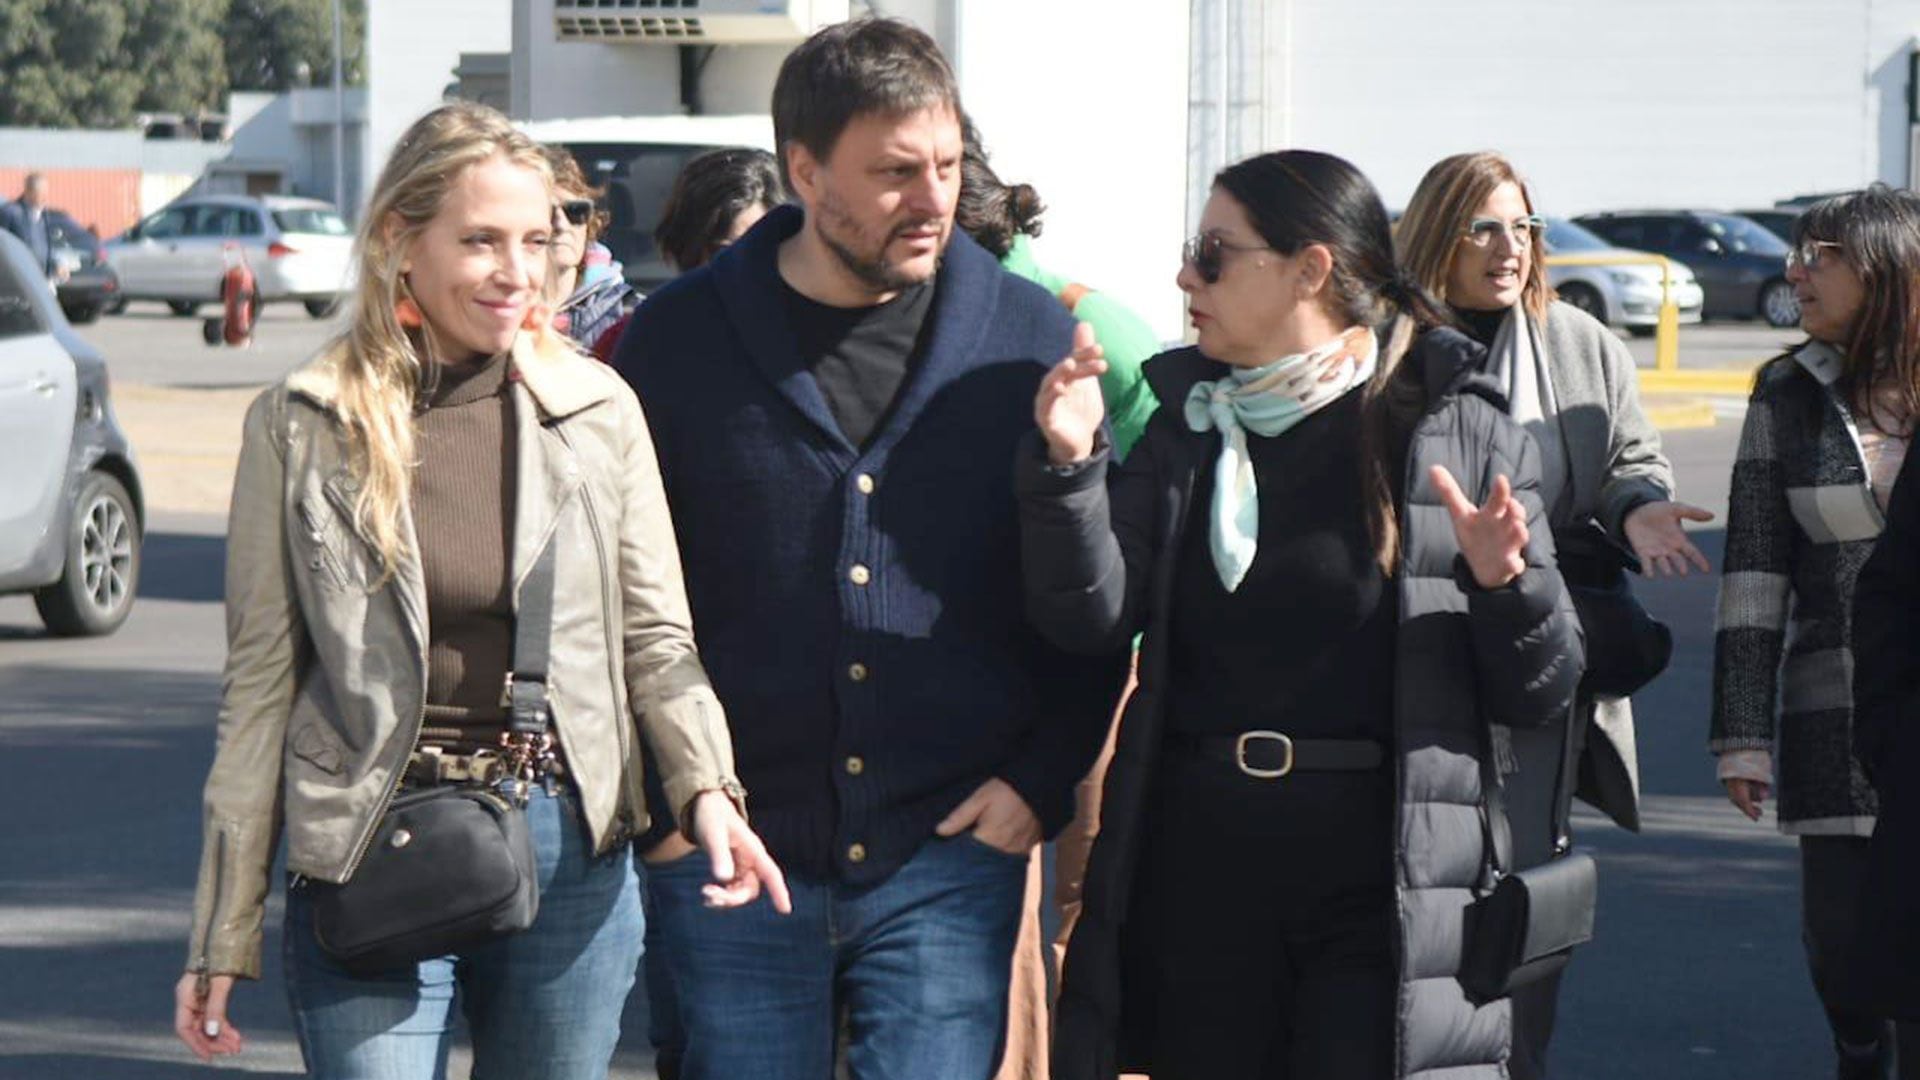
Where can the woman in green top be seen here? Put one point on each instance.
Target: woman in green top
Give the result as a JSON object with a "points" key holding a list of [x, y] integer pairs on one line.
{"points": [[1003, 218]]}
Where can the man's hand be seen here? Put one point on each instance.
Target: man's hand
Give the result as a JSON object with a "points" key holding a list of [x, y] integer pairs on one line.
{"points": [[1653, 531], [998, 816]]}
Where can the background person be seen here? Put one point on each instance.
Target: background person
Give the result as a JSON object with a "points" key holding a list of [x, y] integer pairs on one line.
{"points": [[594, 297], [1826, 432], [1259, 906], [1004, 218], [1470, 236], [389, 496], [26, 218]]}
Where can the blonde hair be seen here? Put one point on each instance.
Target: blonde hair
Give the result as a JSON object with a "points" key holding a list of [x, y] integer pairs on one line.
{"points": [[1428, 235], [379, 369]]}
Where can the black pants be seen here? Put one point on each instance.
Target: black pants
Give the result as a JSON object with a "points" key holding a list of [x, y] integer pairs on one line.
{"points": [[1263, 924], [1831, 870]]}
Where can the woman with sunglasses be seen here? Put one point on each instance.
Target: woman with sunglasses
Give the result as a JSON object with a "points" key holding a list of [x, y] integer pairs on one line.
{"points": [[1471, 236], [1826, 433], [1333, 541], [393, 502], [595, 296]]}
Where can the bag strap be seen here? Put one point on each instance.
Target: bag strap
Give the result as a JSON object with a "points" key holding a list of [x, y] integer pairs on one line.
{"points": [[1495, 830], [528, 710]]}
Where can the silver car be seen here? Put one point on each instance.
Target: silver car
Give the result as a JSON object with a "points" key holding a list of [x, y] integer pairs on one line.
{"points": [[1624, 294], [71, 517], [299, 250]]}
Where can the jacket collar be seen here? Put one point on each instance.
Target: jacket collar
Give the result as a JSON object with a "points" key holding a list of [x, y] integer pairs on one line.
{"points": [[558, 379], [747, 276], [1820, 360]]}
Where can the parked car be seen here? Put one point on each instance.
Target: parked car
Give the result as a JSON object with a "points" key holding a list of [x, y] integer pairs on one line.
{"points": [[299, 249], [1625, 294], [90, 285], [1778, 221], [1741, 265], [71, 513], [635, 160]]}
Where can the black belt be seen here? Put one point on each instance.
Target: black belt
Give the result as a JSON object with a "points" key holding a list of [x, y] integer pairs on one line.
{"points": [[1269, 755]]}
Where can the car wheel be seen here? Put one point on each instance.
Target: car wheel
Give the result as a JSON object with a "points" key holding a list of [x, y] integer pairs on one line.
{"points": [[321, 309], [1778, 305], [117, 306], [1643, 331], [95, 593], [82, 314], [183, 308], [1586, 298]]}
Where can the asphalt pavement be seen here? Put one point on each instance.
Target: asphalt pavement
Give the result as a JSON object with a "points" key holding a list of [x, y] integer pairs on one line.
{"points": [[1696, 970]]}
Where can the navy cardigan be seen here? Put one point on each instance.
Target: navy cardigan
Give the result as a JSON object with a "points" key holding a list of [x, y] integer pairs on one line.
{"points": [[860, 610]]}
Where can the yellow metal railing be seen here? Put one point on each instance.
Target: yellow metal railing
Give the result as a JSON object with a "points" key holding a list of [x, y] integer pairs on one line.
{"points": [[1666, 338]]}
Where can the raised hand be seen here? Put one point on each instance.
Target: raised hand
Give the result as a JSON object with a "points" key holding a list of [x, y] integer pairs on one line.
{"points": [[1492, 537], [1653, 530], [1068, 408], [741, 865]]}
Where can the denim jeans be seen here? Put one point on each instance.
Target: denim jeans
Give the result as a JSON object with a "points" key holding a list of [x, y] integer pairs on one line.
{"points": [[917, 965], [542, 1003]]}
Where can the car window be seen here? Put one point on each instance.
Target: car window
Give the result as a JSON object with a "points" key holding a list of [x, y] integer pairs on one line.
{"points": [[213, 221], [18, 315], [1564, 237], [637, 177], [1739, 234], [310, 220], [165, 225], [246, 223], [1623, 232]]}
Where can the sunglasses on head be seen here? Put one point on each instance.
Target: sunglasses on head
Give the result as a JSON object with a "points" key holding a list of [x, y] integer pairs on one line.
{"points": [[577, 211], [1207, 253]]}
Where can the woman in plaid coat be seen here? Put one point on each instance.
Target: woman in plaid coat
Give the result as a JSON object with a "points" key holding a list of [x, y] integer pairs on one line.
{"points": [[1825, 434]]}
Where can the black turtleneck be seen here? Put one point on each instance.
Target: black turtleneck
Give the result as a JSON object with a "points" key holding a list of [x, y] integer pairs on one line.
{"points": [[1481, 326]]}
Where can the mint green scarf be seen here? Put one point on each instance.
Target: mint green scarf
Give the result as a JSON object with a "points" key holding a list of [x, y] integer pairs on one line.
{"points": [[1266, 400]]}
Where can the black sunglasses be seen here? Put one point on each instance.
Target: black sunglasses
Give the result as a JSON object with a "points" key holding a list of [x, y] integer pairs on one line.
{"points": [[577, 211], [1207, 252]]}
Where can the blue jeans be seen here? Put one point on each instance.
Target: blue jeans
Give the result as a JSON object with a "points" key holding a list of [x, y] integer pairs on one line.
{"points": [[918, 964], [542, 1003]]}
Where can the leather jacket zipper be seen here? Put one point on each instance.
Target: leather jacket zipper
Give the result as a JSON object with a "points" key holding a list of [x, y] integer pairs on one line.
{"points": [[616, 656], [202, 965]]}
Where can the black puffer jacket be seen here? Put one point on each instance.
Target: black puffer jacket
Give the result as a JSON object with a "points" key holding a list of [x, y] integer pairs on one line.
{"points": [[1100, 565]]}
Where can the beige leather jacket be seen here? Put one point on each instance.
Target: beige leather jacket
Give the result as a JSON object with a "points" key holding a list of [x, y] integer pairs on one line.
{"points": [[326, 676]]}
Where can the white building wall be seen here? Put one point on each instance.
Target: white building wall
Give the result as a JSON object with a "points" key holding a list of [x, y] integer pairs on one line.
{"points": [[1719, 103], [412, 49], [1091, 109]]}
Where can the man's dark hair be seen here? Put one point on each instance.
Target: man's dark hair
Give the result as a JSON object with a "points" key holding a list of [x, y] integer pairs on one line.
{"points": [[710, 192], [851, 69]]}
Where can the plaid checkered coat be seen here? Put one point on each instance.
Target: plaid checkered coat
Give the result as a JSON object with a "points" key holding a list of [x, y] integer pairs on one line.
{"points": [[1801, 521]]}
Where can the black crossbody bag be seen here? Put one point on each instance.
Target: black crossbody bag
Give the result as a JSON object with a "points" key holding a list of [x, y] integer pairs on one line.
{"points": [[452, 865], [1626, 646], [1525, 924]]}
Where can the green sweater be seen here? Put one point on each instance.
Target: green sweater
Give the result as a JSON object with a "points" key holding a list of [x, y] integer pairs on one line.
{"points": [[1123, 336]]}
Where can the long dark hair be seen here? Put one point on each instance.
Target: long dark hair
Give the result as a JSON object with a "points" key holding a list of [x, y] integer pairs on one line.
{"points": [[991, 210], [1296, 198], [709, 193], [1878, 231]]}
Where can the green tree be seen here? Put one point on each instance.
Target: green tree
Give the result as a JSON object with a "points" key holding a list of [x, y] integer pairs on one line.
{"points": [[269, 41], [98, 63]]}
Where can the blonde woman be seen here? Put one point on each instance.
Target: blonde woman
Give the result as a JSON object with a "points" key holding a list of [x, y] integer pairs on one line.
{"points": [[391, 498], [1471, 236]]}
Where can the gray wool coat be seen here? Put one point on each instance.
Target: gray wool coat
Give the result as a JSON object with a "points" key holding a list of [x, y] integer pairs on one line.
{"points": [[1614, 464]]}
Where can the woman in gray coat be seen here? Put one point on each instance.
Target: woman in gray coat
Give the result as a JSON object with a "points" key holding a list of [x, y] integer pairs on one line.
{"points": [[1471, 237], [1337, 553]]}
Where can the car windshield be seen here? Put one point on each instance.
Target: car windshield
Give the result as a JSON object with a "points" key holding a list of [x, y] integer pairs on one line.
{"points": [[312, 220], [1742, 235], [1564, 237]]}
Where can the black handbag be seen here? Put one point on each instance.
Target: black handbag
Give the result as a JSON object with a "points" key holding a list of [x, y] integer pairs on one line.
{"points": [[1626, 647], [1525, 924], [449, 866]]}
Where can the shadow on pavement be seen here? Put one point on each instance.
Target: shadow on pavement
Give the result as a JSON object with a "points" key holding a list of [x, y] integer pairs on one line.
{"points": [[183, 566]]}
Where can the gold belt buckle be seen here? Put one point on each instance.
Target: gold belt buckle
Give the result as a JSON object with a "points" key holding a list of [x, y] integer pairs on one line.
{"points": [[1240, 754]]}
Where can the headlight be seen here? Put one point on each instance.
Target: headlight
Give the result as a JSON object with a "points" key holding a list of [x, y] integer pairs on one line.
{"points": [[1628, 279]]}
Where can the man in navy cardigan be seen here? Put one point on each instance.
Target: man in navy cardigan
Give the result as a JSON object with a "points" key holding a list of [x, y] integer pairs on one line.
{"points": [[836, 401]]}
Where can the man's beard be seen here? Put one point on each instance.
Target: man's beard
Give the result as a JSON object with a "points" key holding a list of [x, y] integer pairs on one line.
{"points": [[873, 270]]}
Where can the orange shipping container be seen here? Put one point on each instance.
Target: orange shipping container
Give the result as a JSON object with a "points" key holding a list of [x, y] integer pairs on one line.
{"points": [[104, 200]]}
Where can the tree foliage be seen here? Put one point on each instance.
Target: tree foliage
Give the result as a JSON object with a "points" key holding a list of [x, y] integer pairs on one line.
{"points": [[100, 63]]}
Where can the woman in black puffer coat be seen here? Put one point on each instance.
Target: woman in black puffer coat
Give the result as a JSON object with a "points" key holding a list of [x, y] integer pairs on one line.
{"points": [[1346, 585]]}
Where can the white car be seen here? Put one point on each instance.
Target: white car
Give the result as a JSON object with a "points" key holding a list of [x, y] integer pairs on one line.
{"points": [[299, 250], [1625, 294], [71, 509]]}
